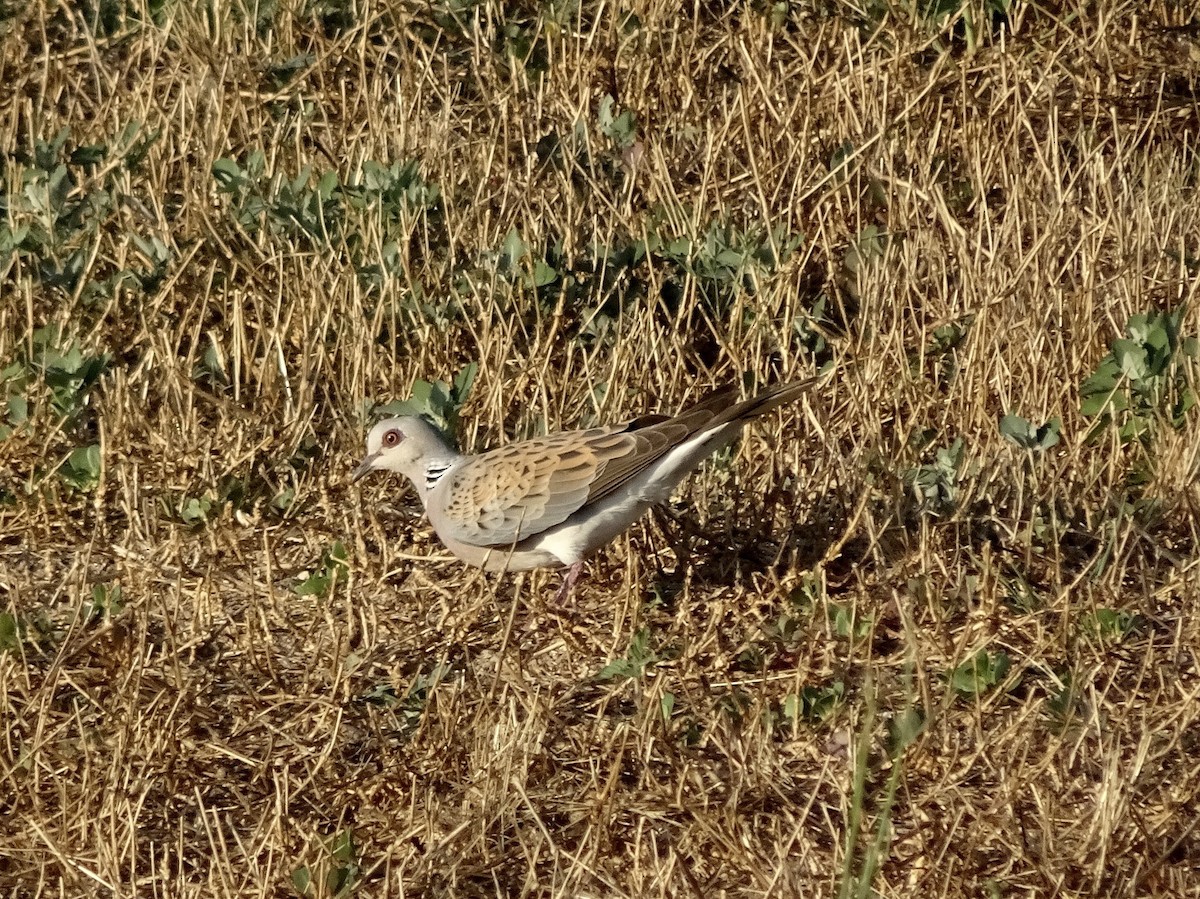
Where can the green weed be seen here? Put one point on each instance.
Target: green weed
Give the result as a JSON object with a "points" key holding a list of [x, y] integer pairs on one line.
{"points": [[335, 563], [1140, 384]]}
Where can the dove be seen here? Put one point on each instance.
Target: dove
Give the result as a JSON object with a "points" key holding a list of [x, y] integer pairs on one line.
{"points": [[549, 502]]}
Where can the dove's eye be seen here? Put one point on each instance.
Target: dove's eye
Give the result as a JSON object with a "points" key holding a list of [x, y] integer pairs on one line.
{"points": [[392, 438]]}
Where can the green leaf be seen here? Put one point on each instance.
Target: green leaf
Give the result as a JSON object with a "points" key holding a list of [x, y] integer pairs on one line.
{"points": [[18, 409], [314, 585], [1135, 427], [620, 128], [617, 669], [1185, 403], [846, 622], [106, 601], [228, 175], [1048, 434], [1131, 358], [1024, 434], [667, 706], [137, 150], [381, 695], [729, 258], [543, 274], [10, 633], [89, 156], [980, 672], [299, 184], [1094, 405], [82, 469], [818, 703], [1017, 430], [302, 879], [463, 382], [256, 164], [375, 176], [681, 247], [16, 372], [194, 510], [327, 185], [636, 659], [514, 249], [342, 849], [422, 391], [906, 727], [841, 155], [337, 555], [439, 399], [1110, 625], [46, 153]]}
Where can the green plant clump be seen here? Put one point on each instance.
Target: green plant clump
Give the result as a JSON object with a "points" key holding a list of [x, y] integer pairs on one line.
{"points": [[1140, 384]]}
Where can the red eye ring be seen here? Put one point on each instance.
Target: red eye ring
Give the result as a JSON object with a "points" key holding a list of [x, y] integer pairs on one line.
{"points": [[392, 437]]}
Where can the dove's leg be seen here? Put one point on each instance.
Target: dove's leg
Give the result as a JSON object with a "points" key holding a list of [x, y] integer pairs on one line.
{"points": [[569, 580], [680, 533]]}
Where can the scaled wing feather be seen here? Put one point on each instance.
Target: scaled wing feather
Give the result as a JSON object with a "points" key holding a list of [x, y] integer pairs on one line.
{"points": [[509, 494]]}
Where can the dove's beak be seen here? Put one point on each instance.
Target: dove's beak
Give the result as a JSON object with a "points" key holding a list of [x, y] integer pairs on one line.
{"points": [[368, 464]]}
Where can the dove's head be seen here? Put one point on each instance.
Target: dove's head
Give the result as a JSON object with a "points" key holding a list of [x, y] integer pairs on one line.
{"points": [[406, 445]]}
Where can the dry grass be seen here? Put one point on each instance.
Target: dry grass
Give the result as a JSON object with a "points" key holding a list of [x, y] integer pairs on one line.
{"points": [[210, 734]]}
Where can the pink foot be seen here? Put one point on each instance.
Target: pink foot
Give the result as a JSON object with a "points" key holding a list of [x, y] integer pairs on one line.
{"points": [[568, 582]]}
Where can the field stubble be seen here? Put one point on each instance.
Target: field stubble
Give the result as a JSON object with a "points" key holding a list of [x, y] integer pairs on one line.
{"points": [[884, 646]]}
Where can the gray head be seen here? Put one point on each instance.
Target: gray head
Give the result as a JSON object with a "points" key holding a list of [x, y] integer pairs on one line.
{"points": [[405, 445]]}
